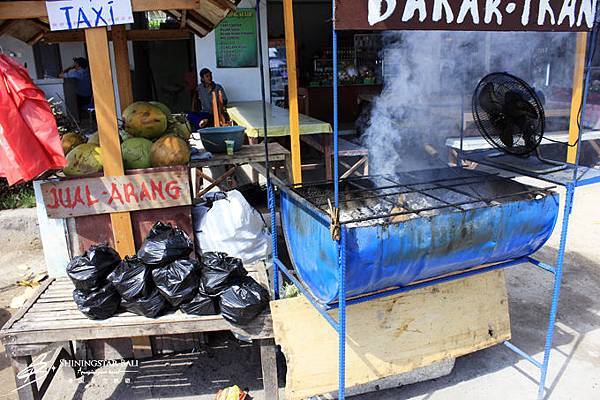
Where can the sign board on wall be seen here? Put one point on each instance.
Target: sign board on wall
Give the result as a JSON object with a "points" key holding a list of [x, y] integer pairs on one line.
{"points": [[108, 194], [466, 15], [236, 41], [80, 14]]}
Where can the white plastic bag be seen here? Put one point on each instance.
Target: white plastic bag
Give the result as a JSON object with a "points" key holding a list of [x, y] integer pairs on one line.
{"points": [[233, 227]]}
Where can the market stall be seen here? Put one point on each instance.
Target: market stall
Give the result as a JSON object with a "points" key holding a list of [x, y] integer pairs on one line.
{"points": [[120, 208], [360, 246]]}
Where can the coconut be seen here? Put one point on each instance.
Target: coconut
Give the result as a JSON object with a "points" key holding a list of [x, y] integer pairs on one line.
{"points": [[94, 139], [71, 140], [143, 119], [84, 159], [181, 129], [162, 107], [169, 150], [136, 153]]}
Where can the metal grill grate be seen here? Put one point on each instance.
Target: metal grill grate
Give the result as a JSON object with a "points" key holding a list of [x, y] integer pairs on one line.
{"points": [[372, 200]]}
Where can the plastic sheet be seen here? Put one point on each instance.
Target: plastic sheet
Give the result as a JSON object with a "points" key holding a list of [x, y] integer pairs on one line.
{"points": [[164, 244], [243, 301], [199, 305], [177, 281], [132, 279], [150, 306], [219, 271], [28, 132], [101, 303], [90, 270], [233, 226]]}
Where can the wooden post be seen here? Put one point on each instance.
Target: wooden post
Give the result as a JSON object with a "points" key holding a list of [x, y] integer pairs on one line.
{"points": [[577, 95], [119, 38], [290, 55], [108, 131]]}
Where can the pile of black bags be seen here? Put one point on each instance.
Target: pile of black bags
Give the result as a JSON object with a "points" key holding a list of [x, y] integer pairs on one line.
{"points": [[162, 277], [93, 294]]}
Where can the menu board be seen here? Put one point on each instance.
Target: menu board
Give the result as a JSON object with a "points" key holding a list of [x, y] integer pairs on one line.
{"points": [[236, 44]]}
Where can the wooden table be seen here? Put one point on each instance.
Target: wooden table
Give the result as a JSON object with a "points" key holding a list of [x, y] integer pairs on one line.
{"points": [[248, 154], [51, 318]]}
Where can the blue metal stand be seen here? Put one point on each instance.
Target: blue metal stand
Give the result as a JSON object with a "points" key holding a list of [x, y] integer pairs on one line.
{"points": [[340, 324]]}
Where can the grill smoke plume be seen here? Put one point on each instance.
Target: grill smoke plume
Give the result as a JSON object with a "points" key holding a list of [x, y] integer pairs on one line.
{"points": [[429, 80]]}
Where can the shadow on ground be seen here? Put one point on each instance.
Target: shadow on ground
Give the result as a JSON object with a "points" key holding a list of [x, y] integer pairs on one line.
{"points": [[530, 293]]}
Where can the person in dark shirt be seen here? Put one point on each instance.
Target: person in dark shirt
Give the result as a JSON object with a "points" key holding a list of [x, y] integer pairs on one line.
{"points": [[83, 86]]}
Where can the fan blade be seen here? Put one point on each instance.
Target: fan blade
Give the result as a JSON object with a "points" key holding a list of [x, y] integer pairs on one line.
{"points": [[488, 100], [515, 105], [507, 134]]}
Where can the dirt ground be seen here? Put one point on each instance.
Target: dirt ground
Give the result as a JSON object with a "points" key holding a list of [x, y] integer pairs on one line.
{"points": [[490, 374]]}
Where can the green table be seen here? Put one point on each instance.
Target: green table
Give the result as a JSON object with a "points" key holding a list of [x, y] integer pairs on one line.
{"points": [[250, 115]]}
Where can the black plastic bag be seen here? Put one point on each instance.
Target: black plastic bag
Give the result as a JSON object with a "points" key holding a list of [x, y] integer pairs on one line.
{"points": [[164, 244], [177, 281], [150, 306], [101, 303], [243, 301], [132, 279], [219, 272], [89, 271], [200, 305]]}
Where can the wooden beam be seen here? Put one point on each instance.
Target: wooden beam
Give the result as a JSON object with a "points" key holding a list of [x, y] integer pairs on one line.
{"points": [[183, 19], [290, 54], [136, 35], [108, 131], [201, 20], [42, 25], [5, 27], [224, 4], [35, 38], [37, 9], [578, 72], [119, 38]]}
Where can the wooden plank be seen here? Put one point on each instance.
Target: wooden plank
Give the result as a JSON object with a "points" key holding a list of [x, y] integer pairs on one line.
{"points": [[108, 132], [24, 378], [107, 194], [259, 328], [290, 55], [28, 304], [5, 27], [268, 363], [413, 330], [37, 9], [577, 95], [142, 347], [135, 35], [223, 4], [119, 38]]}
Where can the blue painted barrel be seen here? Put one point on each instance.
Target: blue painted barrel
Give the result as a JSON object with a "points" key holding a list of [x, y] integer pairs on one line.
{"points": [[396, 254]]}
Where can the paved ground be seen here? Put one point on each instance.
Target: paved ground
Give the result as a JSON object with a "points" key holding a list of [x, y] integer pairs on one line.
{"points": [[495, 373]]}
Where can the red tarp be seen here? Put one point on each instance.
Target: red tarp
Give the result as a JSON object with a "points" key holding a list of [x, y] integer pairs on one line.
{"points": [[29, 141]]}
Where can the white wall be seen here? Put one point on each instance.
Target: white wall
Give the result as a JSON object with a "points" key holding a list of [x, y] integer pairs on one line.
{"points": [[68, 51], [20, 51], [241, 84]]}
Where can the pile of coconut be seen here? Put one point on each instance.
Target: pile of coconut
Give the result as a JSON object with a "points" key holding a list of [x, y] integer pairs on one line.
{"points": [[150, 137]]}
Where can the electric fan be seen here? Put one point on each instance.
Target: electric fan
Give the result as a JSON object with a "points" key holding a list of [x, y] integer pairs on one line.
{"points": [[510, 116]]}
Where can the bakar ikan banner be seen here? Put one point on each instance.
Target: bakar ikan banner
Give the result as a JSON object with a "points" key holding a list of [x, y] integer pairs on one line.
{"points": [[466, 15]]}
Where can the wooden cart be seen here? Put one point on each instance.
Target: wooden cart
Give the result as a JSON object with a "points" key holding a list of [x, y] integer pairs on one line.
{"points": [[42, 333]]}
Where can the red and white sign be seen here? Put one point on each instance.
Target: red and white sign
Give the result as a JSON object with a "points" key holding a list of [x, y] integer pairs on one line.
{"points": [[89, 196]]}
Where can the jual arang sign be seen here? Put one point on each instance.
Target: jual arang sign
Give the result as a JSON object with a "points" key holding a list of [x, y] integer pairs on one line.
{"points": [[484, 15]]}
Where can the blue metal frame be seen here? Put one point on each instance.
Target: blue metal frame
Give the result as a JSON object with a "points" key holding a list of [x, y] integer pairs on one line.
{"points": [[340, 324]]}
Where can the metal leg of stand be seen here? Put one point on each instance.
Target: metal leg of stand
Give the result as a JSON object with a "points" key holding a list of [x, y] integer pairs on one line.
{"points": [[342, 315], [556, 291]]}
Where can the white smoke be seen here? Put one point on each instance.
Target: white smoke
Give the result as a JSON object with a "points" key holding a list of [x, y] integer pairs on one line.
{"points": [[429, 80]]}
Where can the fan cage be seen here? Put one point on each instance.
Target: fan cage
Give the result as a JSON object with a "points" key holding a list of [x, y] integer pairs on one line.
{"points": [[504, 82]]}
